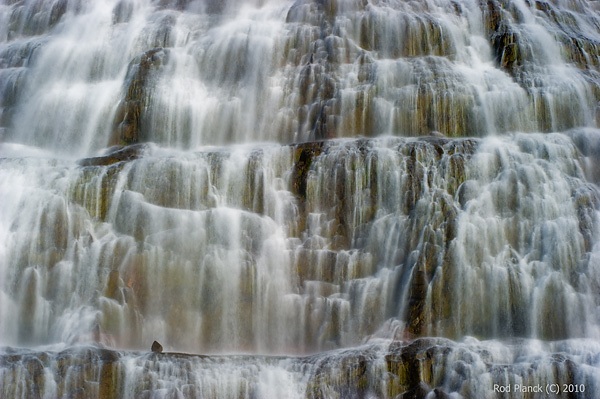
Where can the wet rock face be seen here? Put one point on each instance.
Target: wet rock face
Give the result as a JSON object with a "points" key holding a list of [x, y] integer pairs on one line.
{"points": [[156, 347], [317, 70], [130, 119], [115, 155], [372, 232], [422, 369], [72, 371], [420, 43], [30, 18], [519, 52], [304, 155]]}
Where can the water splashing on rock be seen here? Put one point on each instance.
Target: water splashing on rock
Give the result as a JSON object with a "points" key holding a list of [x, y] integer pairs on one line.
{"points": [[326, 199]]}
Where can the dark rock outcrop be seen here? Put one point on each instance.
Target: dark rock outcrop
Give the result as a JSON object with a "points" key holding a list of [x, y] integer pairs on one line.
{"points": [[303, 156], [129, 122], [118, 154], [156, 347], [419, 391]]}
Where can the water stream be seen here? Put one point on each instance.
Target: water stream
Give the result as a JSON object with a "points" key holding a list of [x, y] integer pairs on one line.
{"points": [[299, 199]]}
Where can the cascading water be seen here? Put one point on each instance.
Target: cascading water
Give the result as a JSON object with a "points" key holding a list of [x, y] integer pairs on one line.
{"points": [[318, 198]]}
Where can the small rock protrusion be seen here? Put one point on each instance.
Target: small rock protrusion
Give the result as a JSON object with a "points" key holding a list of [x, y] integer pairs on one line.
{"points": [[419, 391], [156, 347]]}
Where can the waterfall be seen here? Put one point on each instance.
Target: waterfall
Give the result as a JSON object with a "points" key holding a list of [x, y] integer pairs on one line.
{"points": [[300, 199]]}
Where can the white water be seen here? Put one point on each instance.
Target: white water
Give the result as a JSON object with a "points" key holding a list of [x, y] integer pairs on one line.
{"points": [[461, 368], [212, 251], [221, 238], [284, 71]]}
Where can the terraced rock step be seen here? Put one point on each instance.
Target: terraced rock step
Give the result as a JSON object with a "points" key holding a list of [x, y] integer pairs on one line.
{"points": [[304, 247], [190, 73], [424, 368]]}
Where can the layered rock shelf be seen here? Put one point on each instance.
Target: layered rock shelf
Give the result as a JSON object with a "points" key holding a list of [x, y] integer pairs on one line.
{"points": [[327, 199], [421, 369]]}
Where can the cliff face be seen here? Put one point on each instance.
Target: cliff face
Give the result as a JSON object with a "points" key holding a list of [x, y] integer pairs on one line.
{"points": [[362, 186], [304, 247], [194, 73]]}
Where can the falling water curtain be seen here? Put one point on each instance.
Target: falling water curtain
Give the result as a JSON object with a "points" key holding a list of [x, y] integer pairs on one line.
{"points": [[299, 199]]}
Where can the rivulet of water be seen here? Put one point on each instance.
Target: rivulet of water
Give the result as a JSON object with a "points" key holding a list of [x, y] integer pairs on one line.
{"points": [[299, 199], [245, 250], [482, 369], [77, 76]]}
